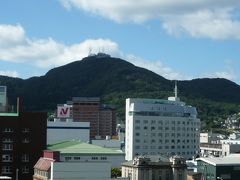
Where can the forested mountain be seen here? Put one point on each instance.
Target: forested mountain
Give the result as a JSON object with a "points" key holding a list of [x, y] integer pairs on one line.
{"points": [[114, 80]]}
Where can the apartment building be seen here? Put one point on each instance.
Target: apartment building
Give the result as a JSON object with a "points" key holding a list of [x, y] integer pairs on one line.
{"points": [[22, 139]]}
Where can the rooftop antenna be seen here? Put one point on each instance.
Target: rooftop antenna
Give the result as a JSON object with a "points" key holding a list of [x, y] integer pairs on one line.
{"points": [[176, 90]]}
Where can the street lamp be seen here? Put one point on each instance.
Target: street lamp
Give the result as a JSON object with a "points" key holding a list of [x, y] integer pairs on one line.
{"points": [[220, 178]]}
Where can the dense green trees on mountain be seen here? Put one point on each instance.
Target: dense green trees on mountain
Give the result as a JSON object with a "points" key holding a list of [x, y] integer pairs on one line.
{"points": [[114, 80]]}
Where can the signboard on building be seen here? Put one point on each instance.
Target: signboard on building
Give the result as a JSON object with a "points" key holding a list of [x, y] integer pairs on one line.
{"points": [[63, 112]]}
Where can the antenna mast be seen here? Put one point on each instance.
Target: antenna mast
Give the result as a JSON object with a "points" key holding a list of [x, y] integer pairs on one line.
{"points": [[176, 90]]}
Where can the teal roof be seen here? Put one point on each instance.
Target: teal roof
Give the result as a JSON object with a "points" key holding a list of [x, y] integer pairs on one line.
{"points": [[8, 114], [76, 147]]}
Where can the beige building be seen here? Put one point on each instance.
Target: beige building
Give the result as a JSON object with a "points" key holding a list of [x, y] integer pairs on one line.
{"points": [[155, 168]]}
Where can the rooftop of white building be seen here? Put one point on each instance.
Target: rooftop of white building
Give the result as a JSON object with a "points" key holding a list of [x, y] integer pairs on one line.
{"points": [[222, 161], [78, 147]]}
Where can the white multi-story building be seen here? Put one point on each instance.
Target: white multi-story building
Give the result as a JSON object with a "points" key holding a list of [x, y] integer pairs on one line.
{"points": [[161, 127], [3, 98]]}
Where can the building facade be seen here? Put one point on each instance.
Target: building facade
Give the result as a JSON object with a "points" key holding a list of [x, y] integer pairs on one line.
{"points": [[155, 168], [75, 151], [102, 118], [22, 138], [161, 127]]}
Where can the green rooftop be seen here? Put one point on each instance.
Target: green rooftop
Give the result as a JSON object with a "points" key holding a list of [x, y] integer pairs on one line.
{"points": [[77, 147], [9, 114]]}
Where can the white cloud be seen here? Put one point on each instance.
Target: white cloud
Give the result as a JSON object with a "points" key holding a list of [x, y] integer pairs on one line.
{"points": [[227, 73], [10, 34], [199, 18], [157, 67], [48, 53], [206, 23], [9, 73]]}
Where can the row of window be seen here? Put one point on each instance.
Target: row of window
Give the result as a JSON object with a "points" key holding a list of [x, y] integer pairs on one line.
{"points": [[10, 130], [192, 135], [167, 141], [9, 170], [9, 158], [69, 158], [167, 153], [167, 122], [9, 146], [165, 147], [167, 128]]}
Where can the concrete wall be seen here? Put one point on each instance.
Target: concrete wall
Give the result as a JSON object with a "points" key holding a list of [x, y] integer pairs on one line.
{"points": [[65, 131], [81, 170]]}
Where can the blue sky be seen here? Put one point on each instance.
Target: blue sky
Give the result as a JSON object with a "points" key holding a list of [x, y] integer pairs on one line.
{"points": [[177, 39]]}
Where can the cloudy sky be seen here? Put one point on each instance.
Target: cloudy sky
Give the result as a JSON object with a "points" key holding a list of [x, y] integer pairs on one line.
{"points": [[178, 39]]}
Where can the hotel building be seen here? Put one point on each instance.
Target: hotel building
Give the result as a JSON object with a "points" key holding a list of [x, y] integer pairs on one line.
{"points": [[161, 127]]}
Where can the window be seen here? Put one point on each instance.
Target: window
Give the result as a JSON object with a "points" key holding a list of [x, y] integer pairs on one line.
{"points": [[68, 158], [6, 170], [137, 121], [7, 158], [94, 158], [153, 121], [25, 158], [137, 134], [7, 147], [25, 130], [145, 127], [8, 130], [7, 140], [25, 169], [137, 140], [103, 158], [77, 158], [25, 140], [137, 147], [137, 127]]}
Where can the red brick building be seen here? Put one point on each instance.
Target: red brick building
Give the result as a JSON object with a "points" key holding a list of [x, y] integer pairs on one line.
{"points": [[102, 118]]}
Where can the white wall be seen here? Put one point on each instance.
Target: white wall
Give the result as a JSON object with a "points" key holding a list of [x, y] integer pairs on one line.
{"points": [[65, 131], [81, 170], [114, 160]]}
